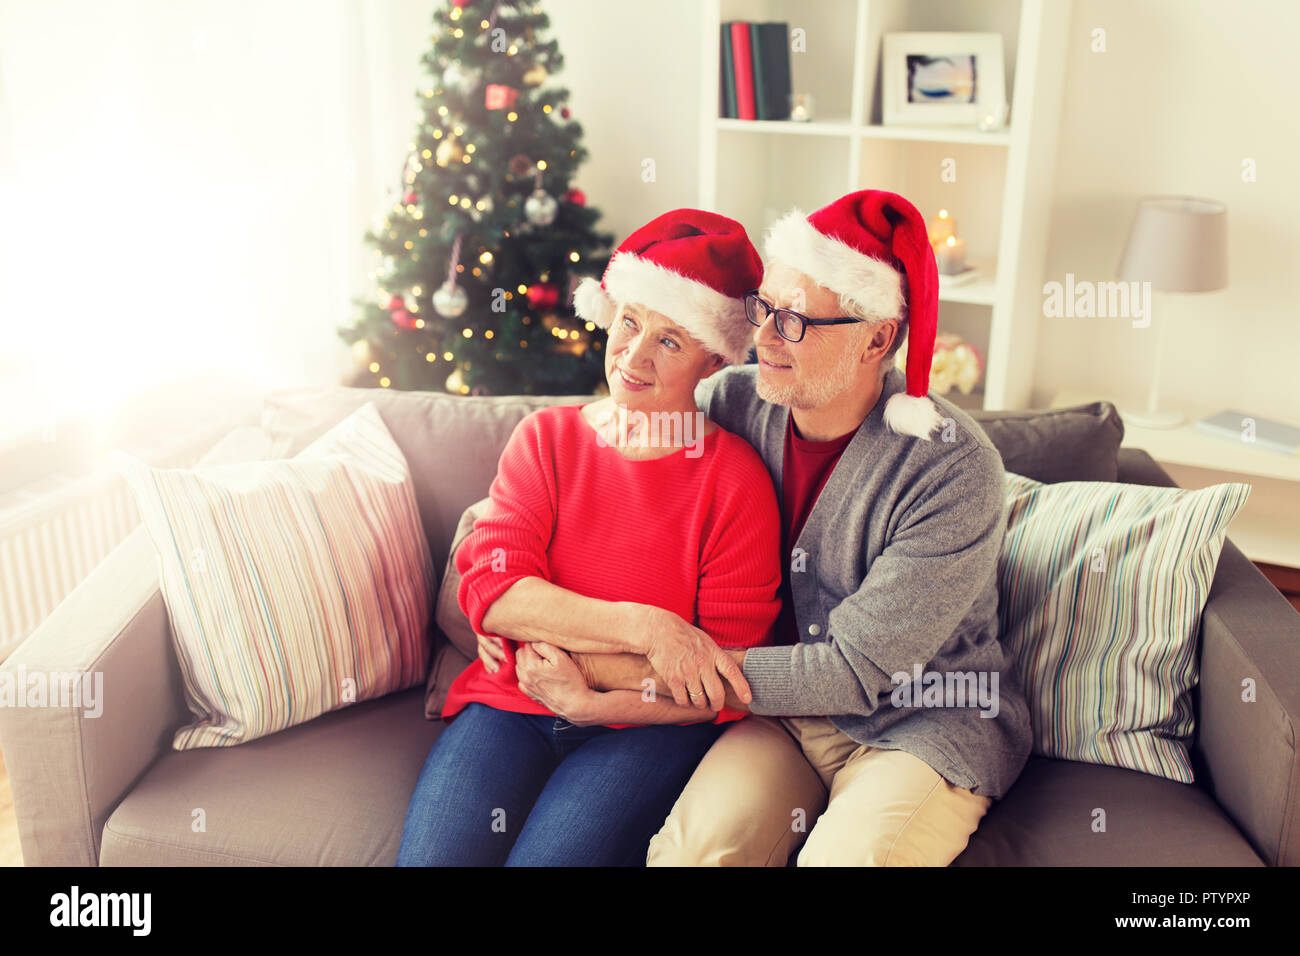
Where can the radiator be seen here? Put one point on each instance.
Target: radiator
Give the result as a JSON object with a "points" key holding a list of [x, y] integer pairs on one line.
{"points": [[50, 541], [45, 554]]}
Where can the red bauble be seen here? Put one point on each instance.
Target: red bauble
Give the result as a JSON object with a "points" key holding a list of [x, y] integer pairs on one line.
{"points": [[576, 196], [499, 97], [403, 319], [395, 302], [460, 3], [564, 111], [410, 198], [543, 295]]}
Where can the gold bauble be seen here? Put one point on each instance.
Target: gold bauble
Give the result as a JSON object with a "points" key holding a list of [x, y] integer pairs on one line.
{"points": [[536, 76], [449, 151]]}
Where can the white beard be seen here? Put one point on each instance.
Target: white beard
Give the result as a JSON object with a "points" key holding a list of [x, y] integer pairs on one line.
{"points": [[816, 393]]}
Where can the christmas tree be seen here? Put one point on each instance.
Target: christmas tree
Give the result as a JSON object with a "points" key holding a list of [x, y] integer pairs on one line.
{"points": [[477, 261]]}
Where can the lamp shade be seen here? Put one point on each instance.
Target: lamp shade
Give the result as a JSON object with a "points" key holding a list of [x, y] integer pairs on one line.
{"points": [[1178, 244]]}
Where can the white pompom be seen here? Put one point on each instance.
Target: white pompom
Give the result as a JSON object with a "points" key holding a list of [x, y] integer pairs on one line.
{"points": [[912, 415]]}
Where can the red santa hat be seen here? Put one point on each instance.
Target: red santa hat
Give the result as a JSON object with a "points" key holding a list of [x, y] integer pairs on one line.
{"points": [[874, 246], [690, 265]]}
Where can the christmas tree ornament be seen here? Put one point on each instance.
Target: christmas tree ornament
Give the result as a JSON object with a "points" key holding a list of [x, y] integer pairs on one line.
{"points": [[540, 208], [361, 351], [498, 96], [543, 295], [449, 151], [460, 78], [410, 199], [395, 302], [456, 383], [565, 112], [541, 205], [450, 300], [520, 165], [536, 76], [402, 319], [576, 196], [481, 207]]}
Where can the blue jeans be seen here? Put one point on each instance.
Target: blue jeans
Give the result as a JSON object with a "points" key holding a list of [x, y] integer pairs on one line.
{"points": [[535, 790]]}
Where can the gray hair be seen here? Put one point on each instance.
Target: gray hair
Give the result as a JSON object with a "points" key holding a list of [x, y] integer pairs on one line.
{"points": [[852, 308]]}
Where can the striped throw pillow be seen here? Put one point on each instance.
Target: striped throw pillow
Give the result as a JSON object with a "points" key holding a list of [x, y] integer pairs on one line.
{"points": [[295, 586], [1101, 587]]}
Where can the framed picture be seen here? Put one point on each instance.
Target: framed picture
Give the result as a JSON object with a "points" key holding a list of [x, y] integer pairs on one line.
{"points": [[941, 79]]}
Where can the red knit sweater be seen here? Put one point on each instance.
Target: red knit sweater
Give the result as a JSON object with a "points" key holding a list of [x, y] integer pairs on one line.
{"points": [[698, 536]]}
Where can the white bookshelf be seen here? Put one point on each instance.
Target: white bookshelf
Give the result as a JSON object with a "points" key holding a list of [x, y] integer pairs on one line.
{"points": [[755, 171]]}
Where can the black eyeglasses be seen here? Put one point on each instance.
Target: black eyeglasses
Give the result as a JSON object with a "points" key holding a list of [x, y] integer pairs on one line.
{"points": [[790, 325]]}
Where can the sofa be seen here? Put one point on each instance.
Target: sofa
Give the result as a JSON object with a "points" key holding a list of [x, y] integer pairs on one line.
{"points": [[110, 790]]}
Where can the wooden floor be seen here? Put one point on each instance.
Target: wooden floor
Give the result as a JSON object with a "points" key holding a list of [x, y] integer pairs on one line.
{"points": [[10, 853]]}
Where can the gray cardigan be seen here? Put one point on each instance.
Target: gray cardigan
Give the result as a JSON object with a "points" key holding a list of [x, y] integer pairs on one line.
{"points": [[894, 578]]}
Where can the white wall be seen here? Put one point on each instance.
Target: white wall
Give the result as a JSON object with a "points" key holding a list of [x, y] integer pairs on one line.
{"points": [[1184, 92]]}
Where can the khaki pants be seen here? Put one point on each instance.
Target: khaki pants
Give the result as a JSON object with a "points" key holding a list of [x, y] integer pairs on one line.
{"points": [[769, 780]]}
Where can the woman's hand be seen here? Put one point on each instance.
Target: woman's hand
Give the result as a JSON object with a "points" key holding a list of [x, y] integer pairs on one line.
{"points": [[690, 662], [492, 652], [549, 676]]}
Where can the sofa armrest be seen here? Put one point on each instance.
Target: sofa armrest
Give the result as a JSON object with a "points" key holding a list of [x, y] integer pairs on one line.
{"points": [[1246, 750], [1245, 753], [69, 768]]}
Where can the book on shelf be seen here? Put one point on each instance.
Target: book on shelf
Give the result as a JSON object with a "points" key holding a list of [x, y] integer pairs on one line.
{"points": [[1260, 432], [754, 71]]}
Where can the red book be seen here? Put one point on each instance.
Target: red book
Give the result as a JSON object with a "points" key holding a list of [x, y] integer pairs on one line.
{"points": [[744, 66]]}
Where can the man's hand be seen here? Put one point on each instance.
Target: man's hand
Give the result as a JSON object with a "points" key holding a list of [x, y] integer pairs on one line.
{"points": [[548, 676], [689, 662], [612, 672]]}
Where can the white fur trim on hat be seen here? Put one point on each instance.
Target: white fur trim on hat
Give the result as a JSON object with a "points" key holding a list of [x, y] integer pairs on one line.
{"points": [[592, 304], [877, 285], [912, 415], [717, 321]]}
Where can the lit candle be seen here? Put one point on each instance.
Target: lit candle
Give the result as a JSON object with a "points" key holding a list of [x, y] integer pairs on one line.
{"points": [[942, 227], [801, 107], [950, 256]]}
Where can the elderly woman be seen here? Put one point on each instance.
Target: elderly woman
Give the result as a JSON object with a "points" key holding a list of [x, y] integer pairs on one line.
{"points": [[630, 524]]}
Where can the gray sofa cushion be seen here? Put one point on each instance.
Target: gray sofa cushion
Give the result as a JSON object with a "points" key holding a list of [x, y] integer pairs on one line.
{"points": [[330, 792], [1047, 820], [1080, 443]]}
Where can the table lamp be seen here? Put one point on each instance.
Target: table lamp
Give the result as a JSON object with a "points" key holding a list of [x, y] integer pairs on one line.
{"points": [[1178, 244]]}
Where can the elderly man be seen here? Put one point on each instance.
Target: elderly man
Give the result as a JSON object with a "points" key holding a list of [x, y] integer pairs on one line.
{"points": [[886, 717]]}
